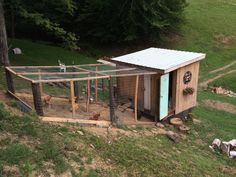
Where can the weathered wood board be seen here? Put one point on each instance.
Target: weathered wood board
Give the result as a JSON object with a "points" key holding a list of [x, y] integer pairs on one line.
{"points": [[184, 102]]}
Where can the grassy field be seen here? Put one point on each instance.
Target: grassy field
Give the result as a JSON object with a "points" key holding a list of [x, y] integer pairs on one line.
{"points": [[210, 28], [29, 147], [36, 53], [227, 81]]}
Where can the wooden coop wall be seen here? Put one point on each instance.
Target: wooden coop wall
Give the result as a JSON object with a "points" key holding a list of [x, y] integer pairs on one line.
{"points": [[184, 102], [126, 88], [123, 82]]}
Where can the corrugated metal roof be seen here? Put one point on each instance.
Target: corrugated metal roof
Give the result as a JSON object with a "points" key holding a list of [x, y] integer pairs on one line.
{"points": [[162, 59]]}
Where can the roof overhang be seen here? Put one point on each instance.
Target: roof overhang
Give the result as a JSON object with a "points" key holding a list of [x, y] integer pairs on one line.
{"points": [[161, 60]]}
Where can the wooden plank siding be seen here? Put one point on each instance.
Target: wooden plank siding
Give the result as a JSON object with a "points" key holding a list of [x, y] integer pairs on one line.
{"points": [[184, 102], [126, 89]]}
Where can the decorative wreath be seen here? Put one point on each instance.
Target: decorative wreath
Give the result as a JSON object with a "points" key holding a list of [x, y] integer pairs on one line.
{"points": [[187, 77], [188, 91]]}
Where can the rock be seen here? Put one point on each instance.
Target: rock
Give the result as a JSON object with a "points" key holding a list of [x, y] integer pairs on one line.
{"points": [[80, 132], [160, 125], [92, 146], [173, 136], [176, 121], [196, 121], [184, 129]]}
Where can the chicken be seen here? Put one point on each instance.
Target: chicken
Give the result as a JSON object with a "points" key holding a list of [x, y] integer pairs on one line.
{"points": [[47, 99], [95, 116], [76, 107]]}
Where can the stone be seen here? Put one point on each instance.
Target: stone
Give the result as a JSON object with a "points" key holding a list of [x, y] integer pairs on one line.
{"points": [[184, 129], [80, 132], [159, 125], [176, 121], [173, 136]]}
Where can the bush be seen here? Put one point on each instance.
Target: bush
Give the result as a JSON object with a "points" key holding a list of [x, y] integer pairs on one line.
{"points": [[112, 20]]}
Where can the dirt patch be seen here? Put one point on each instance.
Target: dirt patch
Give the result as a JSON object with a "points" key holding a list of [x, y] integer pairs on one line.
{"points": [[11, 170], [220, 106], [206, 82], [223, 68], [111, 133], [229, 170], [222, 91], [199, 142], [223, 40]]}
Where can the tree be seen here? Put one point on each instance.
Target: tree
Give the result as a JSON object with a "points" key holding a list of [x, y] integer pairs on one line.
{"points": [[128, 20], [48, 16], [3, 38]]}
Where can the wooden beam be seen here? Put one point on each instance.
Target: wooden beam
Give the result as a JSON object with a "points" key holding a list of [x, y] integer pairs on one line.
{"points": [[68, 80], [72, 96], [19, 99], [136, 99], [117, 70], [37, 99], [133, 74], [111, 96], [23, 77], [101, 123], [10, 83], [40, 84], [90, 71], [53, 66], [50, 73], [88, 95], [96, 87]]}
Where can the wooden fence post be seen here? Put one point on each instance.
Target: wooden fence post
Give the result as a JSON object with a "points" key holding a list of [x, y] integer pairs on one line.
{"points": [[10, 84], [38, 105], [136, 99], [112, 106], [72, 96], [76, 90]]}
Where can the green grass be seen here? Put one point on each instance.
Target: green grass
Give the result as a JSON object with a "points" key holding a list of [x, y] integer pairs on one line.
{"points": [[206, 22], [30, 144], [41, 54], [228, 81], [203, 95]]}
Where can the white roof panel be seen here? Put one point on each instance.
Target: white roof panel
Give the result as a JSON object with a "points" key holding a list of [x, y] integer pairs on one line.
{"points": [[161, 59]]}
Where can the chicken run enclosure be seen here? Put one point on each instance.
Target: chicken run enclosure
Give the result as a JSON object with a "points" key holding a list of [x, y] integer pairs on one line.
{"points": [[80, 93]]}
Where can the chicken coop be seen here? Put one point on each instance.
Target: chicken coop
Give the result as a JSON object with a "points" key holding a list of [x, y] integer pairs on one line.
{"points": [[138, 88]]}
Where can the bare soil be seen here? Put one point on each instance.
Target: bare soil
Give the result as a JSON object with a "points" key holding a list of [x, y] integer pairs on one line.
{"points": [[223, 68], [221, 106], [206, 82]]}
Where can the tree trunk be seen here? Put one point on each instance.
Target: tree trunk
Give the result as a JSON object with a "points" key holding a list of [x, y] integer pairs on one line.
{"points": [[12, 22], [3, 38]]}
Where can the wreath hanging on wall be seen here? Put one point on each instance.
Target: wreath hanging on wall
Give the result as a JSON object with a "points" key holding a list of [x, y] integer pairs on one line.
{"points": [[188, 91], [186, 79]]}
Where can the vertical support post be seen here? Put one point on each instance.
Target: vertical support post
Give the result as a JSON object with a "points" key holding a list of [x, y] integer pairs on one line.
{"points": [[38, 105], [76, 90], [72, 95], [88, 95], [76, 87], [96, 86], [40, 84], [103, 86], [111, 96], [10, 84], [136, 99]]}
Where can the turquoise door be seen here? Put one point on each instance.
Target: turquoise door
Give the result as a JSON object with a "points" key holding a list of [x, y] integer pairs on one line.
{"points": [[164, 94]]}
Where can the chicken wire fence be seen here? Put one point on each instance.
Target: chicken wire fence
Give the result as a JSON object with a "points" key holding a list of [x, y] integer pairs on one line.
{"points": [[102, 92]]}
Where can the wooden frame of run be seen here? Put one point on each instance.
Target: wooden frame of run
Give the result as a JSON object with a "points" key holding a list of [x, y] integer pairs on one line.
{"points": [[46, 77]]}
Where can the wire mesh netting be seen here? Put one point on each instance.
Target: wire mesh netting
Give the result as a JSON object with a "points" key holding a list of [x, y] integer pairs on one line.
{"points": [[98, 90]]}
